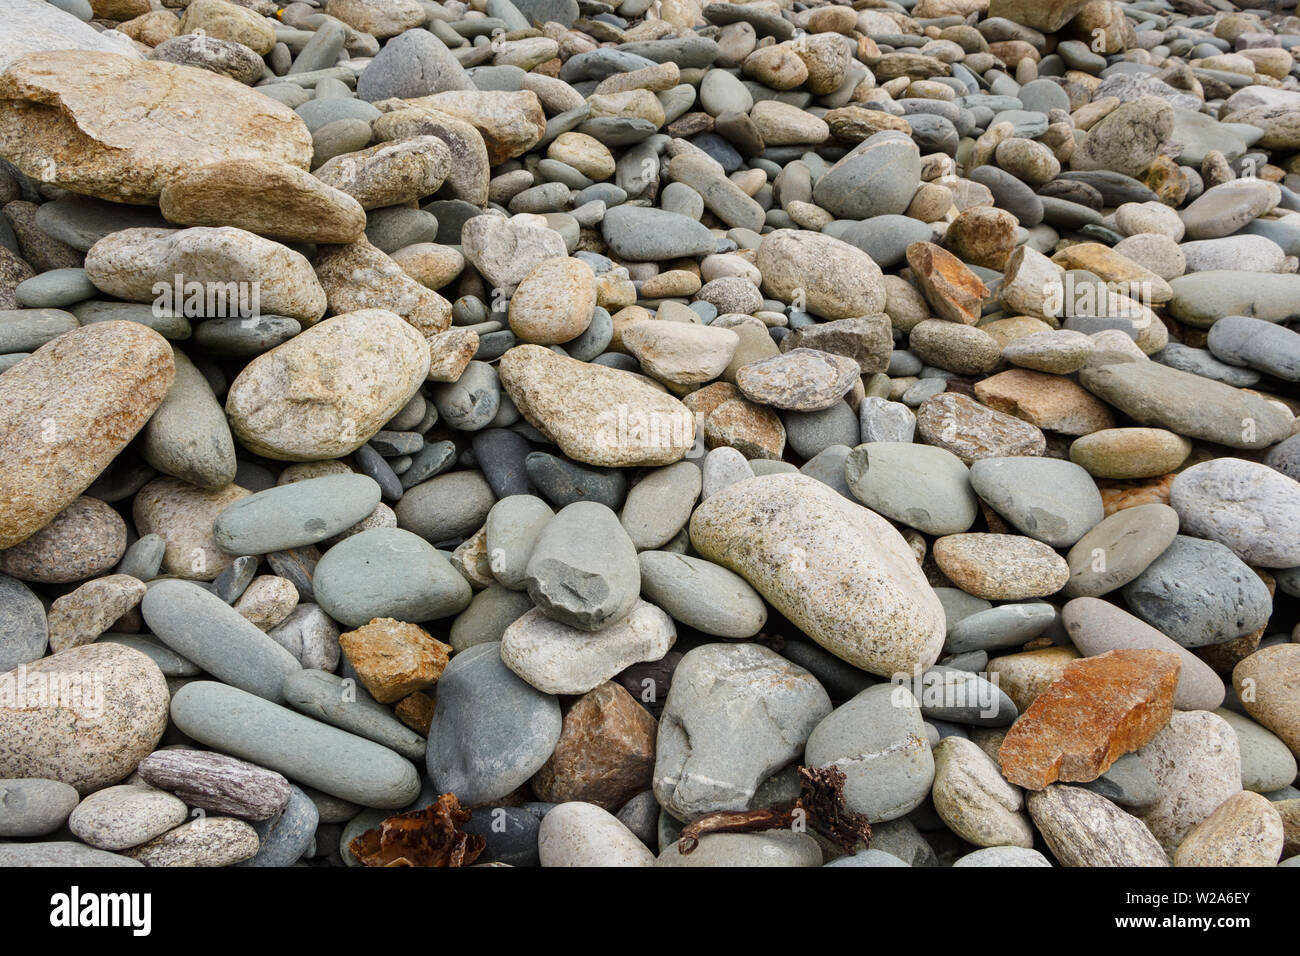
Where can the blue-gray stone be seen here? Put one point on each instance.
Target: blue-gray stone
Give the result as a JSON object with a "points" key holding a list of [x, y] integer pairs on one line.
{"points": [[1007, 625], [1054, 501], [388, 572], [33, 807], [1198, 593], [23, 632], [491, 731], [55, 289], [324, 696], [304, 750], [202, 628], [287, 836], [295, 515]]}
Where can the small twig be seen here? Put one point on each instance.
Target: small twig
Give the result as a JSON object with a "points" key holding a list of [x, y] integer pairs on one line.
{"points": [[820, 806]]}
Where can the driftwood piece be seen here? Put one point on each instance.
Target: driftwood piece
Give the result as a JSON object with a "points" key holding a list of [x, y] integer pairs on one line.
{"points": [[216, 782]]}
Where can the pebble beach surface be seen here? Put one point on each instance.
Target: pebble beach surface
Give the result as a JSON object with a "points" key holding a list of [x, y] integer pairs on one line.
{"points": [[657, 433]]}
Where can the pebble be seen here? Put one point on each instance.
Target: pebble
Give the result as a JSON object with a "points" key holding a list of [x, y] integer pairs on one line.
{"points": [[583, 834], [287, 517], [884, 620], [228, 646], [388, 572], [256, 730], [713, 751], [107, 736], [73, 406], [878, 740], [925, 488], [34, 807], [1196, 762], [347, 342], [557, 658], [704, 596], [515, 728], [1199, 593], [117, 818]]}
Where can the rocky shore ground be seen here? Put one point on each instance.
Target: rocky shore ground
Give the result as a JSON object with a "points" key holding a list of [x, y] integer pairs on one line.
{"points": [[550, 432]]}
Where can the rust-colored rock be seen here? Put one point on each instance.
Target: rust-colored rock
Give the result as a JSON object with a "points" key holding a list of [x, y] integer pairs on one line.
{"points": [[1099, 709], [606, 753], [954, 291], [416, 711], [394, 658]]}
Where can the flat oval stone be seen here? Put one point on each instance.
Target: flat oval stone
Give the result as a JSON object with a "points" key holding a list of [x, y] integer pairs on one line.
{"points": [[60, 853], [1249, 507], [305, 750], [583, 568], [70, 408], [920, 486], [1007, 625], [34, 807], [702, 595], [1119, 548], [596, 415], [583, 834], [1130, 452], [559, 659], [388, 572], [1001, 567], [839, 572], [202, 628], [1192, 406], [296, 515], [325, 392], [1199, 592], [659, 505], [1051, 500], [117, 818], [878, 740], [491, 730], [109, 712]]}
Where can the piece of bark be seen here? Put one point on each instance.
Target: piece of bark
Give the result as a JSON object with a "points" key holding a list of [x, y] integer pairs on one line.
{"points": [[1098, 709], [216, 782]]}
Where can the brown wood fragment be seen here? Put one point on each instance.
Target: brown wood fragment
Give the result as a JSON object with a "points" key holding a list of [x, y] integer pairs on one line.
{"points": [[820, 806]]}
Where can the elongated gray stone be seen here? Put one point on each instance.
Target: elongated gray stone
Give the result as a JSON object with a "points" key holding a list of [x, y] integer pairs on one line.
{"points": [[202, 628], [304, 750], [328, 698], [295, 515]]}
